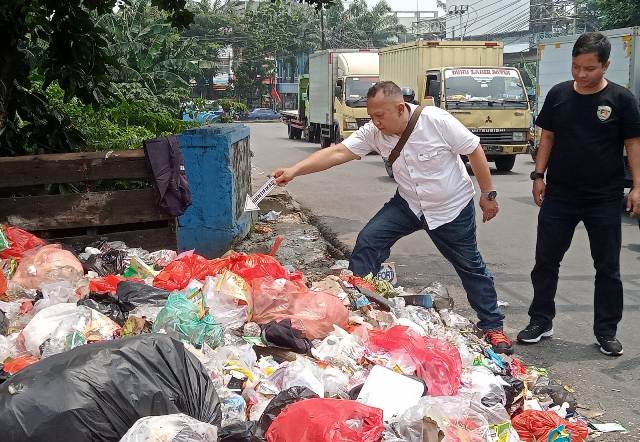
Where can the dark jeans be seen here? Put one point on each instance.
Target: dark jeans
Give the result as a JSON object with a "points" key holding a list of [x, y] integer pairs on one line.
{"points": [[456, 241], [557, 221]]}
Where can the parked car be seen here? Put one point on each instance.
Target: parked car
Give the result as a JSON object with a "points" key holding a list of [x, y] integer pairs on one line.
{"points": [[262, 113]]}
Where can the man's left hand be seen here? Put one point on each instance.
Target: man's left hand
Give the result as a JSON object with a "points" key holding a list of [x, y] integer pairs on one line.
{"points": [[489, 208], [633, 202]]}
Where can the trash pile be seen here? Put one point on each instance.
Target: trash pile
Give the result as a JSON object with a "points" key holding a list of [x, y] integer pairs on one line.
{"points": [[119, 343]]}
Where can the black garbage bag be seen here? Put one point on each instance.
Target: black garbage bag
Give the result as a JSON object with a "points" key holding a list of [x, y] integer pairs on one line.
{"points": [[105, 304], [113, 262], [237, 432], [135, 294], [277, 404], [282, 334], [97, 392]]}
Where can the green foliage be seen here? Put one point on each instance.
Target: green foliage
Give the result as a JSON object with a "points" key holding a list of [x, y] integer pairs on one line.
{"points": [[232, 107], [611, 14]]}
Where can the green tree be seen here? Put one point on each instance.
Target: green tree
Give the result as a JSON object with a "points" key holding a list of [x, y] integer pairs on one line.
{"points": [[358, 26], [58, 42], [610, 14]]}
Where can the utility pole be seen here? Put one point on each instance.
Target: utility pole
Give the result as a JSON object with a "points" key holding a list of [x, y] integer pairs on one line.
{"points": [[458, 10]]}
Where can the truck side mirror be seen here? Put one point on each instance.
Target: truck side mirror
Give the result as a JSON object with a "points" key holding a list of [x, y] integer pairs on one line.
{"points": [[338, 92]]}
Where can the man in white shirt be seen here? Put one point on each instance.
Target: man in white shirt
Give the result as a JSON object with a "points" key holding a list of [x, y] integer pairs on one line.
{"points": [[435, 194]]}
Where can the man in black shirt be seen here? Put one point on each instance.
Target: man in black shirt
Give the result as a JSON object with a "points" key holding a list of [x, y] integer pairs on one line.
{"points": [[585, 124]]}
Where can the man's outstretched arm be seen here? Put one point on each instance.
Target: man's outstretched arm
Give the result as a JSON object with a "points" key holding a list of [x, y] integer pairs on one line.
{"points": [[316, 162]]}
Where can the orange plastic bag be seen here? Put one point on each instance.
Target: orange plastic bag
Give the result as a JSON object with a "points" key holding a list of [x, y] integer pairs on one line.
{"points": [[437, 362], [17, 364], [327, 420], [20, 241], [46, 264], [313, 313], [3, 283], [534, 425]]}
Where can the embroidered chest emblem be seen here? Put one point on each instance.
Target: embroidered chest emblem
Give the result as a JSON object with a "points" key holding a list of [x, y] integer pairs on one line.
{"points": [[604, 112]]}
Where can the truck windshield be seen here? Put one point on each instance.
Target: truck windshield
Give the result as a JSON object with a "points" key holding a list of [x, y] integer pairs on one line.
{"points": [[356, 90], [483, 88]]}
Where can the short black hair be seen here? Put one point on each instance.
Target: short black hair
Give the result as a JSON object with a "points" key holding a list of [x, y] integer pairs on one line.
{"points": [[592, 43], [388, 88]]}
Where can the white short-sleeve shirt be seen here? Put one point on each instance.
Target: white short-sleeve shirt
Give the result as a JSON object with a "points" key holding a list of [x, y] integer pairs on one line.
{"points": [[431, 176]]}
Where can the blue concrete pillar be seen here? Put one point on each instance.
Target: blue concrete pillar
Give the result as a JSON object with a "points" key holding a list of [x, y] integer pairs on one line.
{"points": [[217, 160]]}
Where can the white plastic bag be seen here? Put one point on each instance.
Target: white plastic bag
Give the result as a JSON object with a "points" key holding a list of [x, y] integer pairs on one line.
{"points": [[303, 373], [44, 323], [223, 293], [170, 428], [53, 293]]}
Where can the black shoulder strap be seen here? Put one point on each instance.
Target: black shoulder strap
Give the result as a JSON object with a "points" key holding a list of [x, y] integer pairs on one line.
{"points": [[395, 153]]}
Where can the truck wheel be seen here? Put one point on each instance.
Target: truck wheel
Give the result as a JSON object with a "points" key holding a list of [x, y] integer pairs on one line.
{"points": [[298, 134], [324, 142], [505, 163], [290, 132]]}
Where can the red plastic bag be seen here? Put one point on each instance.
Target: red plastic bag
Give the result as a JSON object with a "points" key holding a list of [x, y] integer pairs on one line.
{"points": [[17, 364], [359, 282], [534, 425], [327, 420], [255, 266], [109, 283], [437, 362], [20, 241], [3, 283], [311, 312], [180, 271]]}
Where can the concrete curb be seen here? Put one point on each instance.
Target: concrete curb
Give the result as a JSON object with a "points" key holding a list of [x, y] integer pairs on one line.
{"points": [[257, 121]]}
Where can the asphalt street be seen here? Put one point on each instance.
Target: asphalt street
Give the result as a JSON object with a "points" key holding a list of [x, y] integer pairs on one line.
{"points": [[345, 197]]}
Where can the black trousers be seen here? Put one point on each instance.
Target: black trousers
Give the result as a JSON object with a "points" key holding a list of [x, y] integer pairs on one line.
{"points": [[557, 221]]}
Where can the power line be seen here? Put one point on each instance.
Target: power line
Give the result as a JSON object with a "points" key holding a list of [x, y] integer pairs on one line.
{"points": [[506, 12], [489, 15]]}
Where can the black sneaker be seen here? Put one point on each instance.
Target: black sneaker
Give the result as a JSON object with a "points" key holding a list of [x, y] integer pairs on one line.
{"points": [[534, 332], [610, 346]]}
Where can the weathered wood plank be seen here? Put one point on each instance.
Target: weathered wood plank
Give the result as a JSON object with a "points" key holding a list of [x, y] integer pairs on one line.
{"points": [[148, 239], [81, 210], [31, 170]]}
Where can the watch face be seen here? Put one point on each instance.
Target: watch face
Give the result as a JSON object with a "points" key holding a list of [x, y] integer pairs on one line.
{"points": [[492, 195]]}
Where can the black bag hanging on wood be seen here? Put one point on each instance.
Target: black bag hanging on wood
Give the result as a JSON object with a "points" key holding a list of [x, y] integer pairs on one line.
{"points": [[96, 392], [170, 180]]}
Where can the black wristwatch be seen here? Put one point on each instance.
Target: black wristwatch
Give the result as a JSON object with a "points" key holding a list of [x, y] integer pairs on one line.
{"points": [[536, 176], [491, 196]]}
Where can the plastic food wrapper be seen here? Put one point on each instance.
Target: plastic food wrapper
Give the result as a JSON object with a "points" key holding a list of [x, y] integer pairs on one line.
{"points": [[327, 420], [313, 313], [165, 379], [229, 299], [533, 425], [189, 321], [436, 362], [172, 428], [160, 258], [278, 403], [45, 264], [19, 241]]}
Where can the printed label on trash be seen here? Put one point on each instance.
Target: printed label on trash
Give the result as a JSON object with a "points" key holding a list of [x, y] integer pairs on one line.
{"points": [[251, 204], [388, 272]]}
